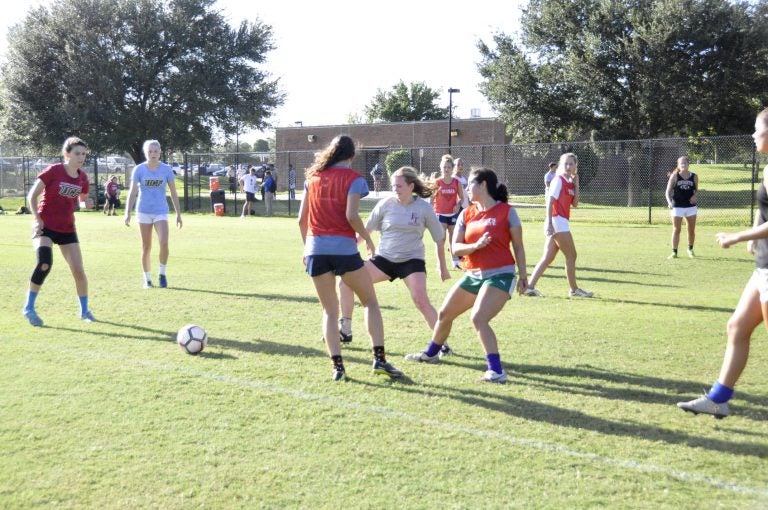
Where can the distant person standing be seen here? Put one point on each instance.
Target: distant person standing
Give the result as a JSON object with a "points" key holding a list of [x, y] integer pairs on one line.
{"points": [[291, 183], [682, 189], [232, 175], [110, 192], [249, 184], [377, 172], [149, 181], [269, 186], [458, 173], [60, 186]]}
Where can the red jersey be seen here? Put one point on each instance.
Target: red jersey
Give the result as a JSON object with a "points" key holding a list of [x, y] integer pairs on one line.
{"points": [[495, 221], [111, 189], [447, 196], [328, 202], [57, 205], [562, 193]]}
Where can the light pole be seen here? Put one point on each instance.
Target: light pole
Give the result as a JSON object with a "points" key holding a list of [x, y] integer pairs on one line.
{"points": [[451, 92]]}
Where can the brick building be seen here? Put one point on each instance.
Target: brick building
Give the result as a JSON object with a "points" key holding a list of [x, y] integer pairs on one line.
{"points": [[427, 140]]}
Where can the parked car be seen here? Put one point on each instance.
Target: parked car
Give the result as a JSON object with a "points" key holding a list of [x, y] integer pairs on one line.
{"points": [[210, 169], [220, 172]]}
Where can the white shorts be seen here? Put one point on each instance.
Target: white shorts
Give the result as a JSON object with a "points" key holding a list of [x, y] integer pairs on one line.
{"points": [[151, 218], [760, 280], [561, 224], [683, 212]]}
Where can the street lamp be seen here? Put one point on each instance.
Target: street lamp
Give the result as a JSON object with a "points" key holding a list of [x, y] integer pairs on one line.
{"points": [[451, 92]]}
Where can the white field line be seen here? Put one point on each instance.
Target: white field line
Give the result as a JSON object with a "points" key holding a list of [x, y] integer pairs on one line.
{"points": [[471, 431]]}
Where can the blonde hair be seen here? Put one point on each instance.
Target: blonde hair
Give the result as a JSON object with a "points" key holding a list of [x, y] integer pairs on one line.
{"points": [[148, 144], [446, 157], [411, 176], [563, 158]]}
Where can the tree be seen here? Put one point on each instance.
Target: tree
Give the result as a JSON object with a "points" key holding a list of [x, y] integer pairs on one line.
{"points": [[405, 103], [629, 69], [131, 70], [261, 145]]}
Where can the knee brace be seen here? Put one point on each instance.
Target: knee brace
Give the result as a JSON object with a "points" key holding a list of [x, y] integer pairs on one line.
{"points": [[44, 258]]}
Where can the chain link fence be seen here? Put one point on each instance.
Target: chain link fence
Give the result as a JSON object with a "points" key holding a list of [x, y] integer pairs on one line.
{"points": [[621, 181]]}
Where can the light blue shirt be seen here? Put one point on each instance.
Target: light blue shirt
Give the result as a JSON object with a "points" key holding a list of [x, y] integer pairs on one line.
{"points": [[152, 187]]}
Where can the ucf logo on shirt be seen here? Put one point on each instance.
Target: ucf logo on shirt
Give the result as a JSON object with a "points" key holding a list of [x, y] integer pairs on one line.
{"points": [[69, 190], [153, 183]]}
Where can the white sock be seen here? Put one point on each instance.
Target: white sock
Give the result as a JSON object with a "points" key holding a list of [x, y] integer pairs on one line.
{"points": [[162, 269], [345, 324], [147, 276]]}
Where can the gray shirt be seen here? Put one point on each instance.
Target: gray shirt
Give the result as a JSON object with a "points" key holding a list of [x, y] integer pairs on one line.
{"points": [[402, 228]]}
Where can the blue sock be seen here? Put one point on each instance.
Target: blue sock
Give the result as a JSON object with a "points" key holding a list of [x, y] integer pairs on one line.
{"points": [[432, 349], [31, 298], [83, 304], [719, 393], [494, 362]]}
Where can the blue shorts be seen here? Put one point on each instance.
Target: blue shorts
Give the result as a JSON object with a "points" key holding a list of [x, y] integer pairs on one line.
{"points": [[448, 220], [339, 264]]}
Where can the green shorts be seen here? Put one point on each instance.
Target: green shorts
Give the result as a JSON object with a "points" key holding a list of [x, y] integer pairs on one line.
{"points": [[504, 281]]}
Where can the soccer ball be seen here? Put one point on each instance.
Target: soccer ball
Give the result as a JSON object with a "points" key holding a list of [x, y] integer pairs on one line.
{"points": [[192, 339]]}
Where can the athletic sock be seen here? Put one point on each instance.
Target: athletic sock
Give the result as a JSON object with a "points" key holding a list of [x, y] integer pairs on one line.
{"points": [[147, 276], [674, 250], [31, 298], [378, 353], [345, 325], [83, 304], [338, 363], [161, 270], [494, 362], [690, 247], [432, 349], [720, 393]]}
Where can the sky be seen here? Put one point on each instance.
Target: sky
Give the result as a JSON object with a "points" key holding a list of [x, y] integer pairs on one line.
{"points": [[332, 57]]}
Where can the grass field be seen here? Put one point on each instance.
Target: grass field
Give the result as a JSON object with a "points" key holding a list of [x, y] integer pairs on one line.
{"points": [[113, 415]]}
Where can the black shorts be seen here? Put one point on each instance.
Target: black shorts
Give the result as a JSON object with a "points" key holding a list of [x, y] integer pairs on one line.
{"points": [[339, 264], [60, 237], [250, 197], [449, 220], [112, 200], [397, 270]]}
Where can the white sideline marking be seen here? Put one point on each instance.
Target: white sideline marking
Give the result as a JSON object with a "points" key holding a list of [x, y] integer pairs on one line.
{"points": [[384, 411]]}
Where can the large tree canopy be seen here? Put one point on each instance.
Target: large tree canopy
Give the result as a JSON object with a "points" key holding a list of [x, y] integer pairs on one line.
{"points": [[117, 72], [629, 69], [405, 103]]}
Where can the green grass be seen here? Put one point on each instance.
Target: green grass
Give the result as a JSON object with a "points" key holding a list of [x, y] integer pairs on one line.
{"points": [[114, 415]]}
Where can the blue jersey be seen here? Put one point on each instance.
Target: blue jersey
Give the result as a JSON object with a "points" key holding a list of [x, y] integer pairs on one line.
{"points": [[152, 186]]}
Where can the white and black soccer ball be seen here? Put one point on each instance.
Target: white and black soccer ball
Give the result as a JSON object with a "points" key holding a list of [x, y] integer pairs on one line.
{"points": [[192, 339]]}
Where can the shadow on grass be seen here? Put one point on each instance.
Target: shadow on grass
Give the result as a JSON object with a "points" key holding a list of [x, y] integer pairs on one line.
{"points": [[675, 306], [269, 297], [536, 411]]}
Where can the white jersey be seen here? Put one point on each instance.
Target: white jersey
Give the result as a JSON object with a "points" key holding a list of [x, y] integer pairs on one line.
{"points": [[250, 183], [402, 228]]}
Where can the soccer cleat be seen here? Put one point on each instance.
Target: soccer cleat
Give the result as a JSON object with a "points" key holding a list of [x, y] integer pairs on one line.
{"points": [[163, 281], [33, 318], [673, 255], [422, 357], [339, 375], [345, 338], [703, 404], [691, 254], [530, 291], [580, 293], [383, 368], [148, 284], [445, 350], [494, 377], [87, 316]]}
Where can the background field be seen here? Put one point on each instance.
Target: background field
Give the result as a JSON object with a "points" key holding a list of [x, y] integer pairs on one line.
{"points": [[114, 415]]}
